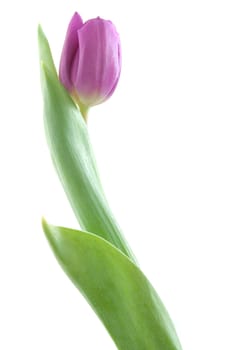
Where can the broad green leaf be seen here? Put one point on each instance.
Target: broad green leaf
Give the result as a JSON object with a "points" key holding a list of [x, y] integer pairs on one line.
{"points": [[116, 289], [73, 157]]}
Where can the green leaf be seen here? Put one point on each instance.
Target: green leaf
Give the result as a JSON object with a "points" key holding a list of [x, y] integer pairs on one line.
{"points": [[116, 289], [73, 157], [45, 52]]}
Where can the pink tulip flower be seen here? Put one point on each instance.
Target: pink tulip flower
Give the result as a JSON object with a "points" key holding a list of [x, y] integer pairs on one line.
{"points": [[90, 62]]}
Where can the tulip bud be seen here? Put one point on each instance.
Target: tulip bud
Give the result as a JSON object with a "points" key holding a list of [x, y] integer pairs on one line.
{"points": [[90, 62]]}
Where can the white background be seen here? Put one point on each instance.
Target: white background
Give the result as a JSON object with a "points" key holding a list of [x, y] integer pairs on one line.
{"points": [[164, 147]]}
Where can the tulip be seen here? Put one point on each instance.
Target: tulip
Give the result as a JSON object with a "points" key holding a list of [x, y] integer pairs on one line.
{"points": [[90, 62]]}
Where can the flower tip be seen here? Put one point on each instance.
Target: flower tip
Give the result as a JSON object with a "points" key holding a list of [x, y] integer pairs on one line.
{"points": [[76, 20]]}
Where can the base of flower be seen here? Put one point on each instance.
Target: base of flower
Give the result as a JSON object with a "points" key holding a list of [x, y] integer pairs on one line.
{"points": [[83, 108]]}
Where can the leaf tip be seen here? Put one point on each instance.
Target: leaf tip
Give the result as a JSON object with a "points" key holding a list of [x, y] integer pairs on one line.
{"points": [[44, 224], [40, 33], [49, 232]]}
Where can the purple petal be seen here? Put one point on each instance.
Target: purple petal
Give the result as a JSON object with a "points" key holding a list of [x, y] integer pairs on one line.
{"points": [[116, 81], [99, 61], [69, 49]]}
